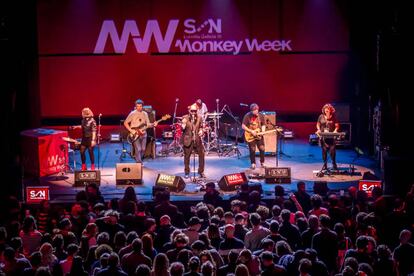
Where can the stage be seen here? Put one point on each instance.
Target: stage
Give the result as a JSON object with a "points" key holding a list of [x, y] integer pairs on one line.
{"points": [[303, 159]]}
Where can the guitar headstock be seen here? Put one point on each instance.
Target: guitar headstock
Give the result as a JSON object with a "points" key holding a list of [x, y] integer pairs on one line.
{"points": [[166, 117]]}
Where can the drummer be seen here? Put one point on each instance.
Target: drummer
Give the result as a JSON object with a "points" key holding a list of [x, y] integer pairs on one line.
{"points": [[201, 109]]}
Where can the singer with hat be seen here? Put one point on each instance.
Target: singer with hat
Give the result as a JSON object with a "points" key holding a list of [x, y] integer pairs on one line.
{"points": [[191, 139]]}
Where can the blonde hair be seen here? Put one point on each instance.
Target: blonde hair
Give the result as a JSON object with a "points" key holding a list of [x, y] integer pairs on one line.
{"points": [[87, 112]]}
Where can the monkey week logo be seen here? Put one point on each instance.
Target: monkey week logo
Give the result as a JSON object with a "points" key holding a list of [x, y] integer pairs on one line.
{"points": [[205, 37]]}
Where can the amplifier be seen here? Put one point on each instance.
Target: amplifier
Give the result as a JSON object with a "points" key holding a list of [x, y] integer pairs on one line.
{"points": [[277, 175], [82, 178]]}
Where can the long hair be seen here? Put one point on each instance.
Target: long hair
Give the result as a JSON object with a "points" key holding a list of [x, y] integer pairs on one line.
{"points": [[161, 265], [87, 112], [330, 107]]}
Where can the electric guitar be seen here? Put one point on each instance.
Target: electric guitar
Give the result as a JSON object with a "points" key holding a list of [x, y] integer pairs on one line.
{"points": [[249, 137], [140, 130]]}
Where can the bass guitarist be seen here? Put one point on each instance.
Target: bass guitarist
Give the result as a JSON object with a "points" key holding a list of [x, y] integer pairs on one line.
{"points": [[254, 123], [136, 123]]}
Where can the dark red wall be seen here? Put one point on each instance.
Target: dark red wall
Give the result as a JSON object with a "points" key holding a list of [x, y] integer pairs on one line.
{"points": [[297, 82]]}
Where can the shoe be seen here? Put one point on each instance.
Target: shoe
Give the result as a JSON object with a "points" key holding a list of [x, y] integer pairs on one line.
{"points": [[84, 168], [186, 176], [262, 165], [334, 167], [325, 167], [253, 166], [202, 175], [92, 167]]}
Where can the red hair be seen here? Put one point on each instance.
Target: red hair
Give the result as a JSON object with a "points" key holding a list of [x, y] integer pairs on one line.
{"points": [[331, 108]]}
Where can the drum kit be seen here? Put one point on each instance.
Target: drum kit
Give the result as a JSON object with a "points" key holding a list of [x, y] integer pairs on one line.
{"points": [[210, 136]]}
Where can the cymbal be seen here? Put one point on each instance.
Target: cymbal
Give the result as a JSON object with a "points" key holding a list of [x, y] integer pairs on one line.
{"points": [[214, 114], [70, 140]]}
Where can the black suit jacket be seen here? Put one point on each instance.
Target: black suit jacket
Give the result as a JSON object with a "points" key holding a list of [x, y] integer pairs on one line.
{"points": [[191, 128]]}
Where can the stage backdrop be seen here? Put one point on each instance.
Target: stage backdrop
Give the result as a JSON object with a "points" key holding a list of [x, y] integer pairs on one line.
{"points": [[289, 56]]}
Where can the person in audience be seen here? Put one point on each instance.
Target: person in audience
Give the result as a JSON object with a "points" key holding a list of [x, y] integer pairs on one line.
{"points": [[404, 254], [254, 237]]}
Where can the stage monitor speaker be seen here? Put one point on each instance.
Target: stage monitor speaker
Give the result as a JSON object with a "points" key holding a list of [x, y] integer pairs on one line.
{"points": [[270, 140], [278, 175], [172, 182], [83, 178], [128, 173], [231, 182], [320, 188]]}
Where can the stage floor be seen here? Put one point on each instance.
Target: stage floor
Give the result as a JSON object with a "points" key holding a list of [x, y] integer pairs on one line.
{"points": [[303, 159]]}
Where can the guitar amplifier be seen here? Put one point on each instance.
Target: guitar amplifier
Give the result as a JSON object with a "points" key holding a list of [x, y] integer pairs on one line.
{"points": [[83, 178], [278, 175], [270, 140]]}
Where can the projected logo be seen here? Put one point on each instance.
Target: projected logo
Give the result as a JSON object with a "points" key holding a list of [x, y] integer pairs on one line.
{"points": [[204, 37]]}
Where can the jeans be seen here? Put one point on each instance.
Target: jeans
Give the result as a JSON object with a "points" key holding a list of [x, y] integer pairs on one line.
{"points": [[252, 150], [139, 148]]}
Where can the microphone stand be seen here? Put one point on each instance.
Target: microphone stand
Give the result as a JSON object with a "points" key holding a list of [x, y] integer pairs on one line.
{"points": [[235, 147], [193, 179], [98, 138], [175, 110]]}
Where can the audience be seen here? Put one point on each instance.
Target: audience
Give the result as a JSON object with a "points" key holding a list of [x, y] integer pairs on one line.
{"points": [[300, 234]]}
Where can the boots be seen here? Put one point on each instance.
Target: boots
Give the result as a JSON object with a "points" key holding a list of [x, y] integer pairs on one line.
{"points": [[92, 167], [84, 168]]}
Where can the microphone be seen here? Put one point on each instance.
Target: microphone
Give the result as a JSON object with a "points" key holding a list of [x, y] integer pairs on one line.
{"points": [[243, 104]]}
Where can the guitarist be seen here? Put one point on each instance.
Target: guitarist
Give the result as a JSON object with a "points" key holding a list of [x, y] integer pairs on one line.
{"points": [[136, 123], [254, 122]]}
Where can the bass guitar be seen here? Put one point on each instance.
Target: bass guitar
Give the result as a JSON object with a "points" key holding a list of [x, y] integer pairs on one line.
{"points": [[140, 130]]}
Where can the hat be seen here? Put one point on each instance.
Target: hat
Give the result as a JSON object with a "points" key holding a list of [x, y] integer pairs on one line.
{"points": [[194, 221]]}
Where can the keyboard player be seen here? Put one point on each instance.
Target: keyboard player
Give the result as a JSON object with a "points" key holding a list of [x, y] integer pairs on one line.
{"points": [[327, 122]]}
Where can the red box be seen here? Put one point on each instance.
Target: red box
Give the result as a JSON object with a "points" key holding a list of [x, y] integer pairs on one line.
{"points": [[37, 194], [44, 152], [368, 185]]}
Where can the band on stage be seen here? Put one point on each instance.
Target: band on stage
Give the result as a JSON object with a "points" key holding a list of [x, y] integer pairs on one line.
{"points": [[192, 132]]}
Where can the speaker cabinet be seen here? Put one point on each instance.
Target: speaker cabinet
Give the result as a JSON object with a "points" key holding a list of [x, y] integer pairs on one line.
{"points": [[278, 175], [83, 178], [172, 182], [128, 173], [231, 182]]}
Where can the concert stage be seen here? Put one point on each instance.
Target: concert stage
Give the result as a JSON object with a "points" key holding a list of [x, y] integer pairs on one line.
{"points": [[303, 159]]}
